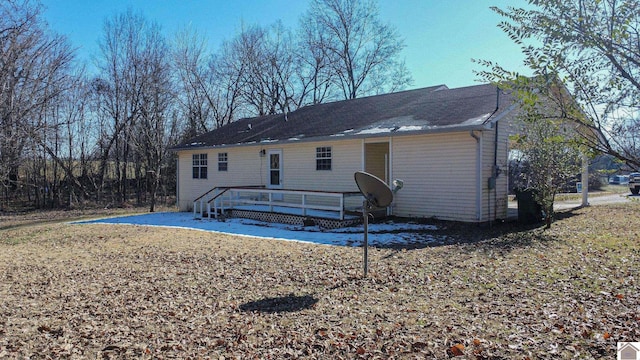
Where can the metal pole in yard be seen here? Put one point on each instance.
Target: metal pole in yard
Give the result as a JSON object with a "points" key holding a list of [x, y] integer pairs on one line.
{"points": [[585, 180], [365, 220]]}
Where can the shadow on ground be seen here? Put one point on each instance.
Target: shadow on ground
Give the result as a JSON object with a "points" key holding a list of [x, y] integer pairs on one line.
{"points": [[500, 235], [289, 303]]}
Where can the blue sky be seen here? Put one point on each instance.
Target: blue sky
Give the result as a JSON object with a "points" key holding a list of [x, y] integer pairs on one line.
{"points": [[441, 36]]}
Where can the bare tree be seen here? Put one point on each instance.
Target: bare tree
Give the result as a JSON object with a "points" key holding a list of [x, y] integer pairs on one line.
{"points": [[59, 123], [194, 81], [267, 59], [227, 70], [593, 48], [155, 125], [315, 74], [34, 72], [280, 67], [135, 102], [363, 52], [78, 137], [117, 95], [210, 85], [341, 47], [121, 88]]}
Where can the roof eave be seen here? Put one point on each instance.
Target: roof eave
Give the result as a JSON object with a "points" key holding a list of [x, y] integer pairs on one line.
{"points": [[434, 130]]}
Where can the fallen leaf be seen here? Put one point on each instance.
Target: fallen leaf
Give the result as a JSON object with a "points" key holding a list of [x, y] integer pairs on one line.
{"points": [[121, 294], [44, 328], [417, 346], [457, 350], [111, 348], [322, 332]]}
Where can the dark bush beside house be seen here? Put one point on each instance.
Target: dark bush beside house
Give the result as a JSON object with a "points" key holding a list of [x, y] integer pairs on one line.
{"points": [[529, 210]]}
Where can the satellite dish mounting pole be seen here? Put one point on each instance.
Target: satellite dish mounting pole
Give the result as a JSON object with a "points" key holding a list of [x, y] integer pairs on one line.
{"points": [[377, 195], [365, 221]]}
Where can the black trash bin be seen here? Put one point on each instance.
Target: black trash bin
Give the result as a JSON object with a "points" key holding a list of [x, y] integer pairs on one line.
{"points": [[529, 210]]}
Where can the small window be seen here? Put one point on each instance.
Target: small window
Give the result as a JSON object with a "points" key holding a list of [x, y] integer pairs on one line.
{"points": [[199, 166], [323, 158], [222, 161]]}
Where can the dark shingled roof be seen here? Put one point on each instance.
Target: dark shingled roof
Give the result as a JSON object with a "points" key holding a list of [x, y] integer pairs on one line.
{"points": [[435, 108]]}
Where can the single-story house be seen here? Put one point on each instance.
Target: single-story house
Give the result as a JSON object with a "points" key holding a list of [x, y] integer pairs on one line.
{"points": [[449, 146]]}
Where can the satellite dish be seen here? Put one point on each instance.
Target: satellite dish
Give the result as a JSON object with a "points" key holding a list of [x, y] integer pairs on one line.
{"points": [[377, 193]]}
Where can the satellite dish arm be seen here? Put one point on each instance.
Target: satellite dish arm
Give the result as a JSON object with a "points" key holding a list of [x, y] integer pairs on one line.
{"points": [[397, 185], [371, 201]]}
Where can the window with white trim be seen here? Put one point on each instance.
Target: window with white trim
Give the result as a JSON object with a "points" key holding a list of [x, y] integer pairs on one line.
{"points": [[323, 158], [199, 162], [223, 161]]}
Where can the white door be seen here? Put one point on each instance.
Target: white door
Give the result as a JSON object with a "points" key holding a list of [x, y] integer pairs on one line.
{"points": [[274, 176]]}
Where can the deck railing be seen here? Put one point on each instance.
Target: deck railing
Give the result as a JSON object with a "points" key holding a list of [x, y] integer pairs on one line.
{"points": [[202, 202], [301, 202]]}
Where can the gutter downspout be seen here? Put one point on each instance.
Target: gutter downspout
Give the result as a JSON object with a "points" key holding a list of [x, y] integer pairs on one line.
{"points": [[389, 172], [494, 171], [478, 175]]}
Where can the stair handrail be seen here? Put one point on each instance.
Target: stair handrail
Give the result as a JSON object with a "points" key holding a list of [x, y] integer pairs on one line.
{"points": [[227, 188], [200, 200], [205, 194]]}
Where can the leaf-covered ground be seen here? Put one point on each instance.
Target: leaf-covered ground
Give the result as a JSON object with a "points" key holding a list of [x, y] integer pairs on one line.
{"points": [[118, 291]]}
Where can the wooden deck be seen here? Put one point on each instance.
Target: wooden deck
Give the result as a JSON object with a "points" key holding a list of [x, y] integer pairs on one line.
{"points": [[303, 207]]}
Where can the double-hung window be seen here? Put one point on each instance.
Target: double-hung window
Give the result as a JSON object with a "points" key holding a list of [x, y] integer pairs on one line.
{"points": [[323, 158], [199, 166], [223, 161]]}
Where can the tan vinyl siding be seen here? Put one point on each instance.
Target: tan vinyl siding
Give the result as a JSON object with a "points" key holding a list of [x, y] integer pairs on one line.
{"points": [[495, 202], [439, 171], [439, 176], [247, 168], [488, 195], [507, 126], [300, 172], [243, 170]]}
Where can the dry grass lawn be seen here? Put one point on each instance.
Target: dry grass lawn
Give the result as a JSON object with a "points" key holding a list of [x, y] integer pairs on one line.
{"points": [[112, 291]]}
